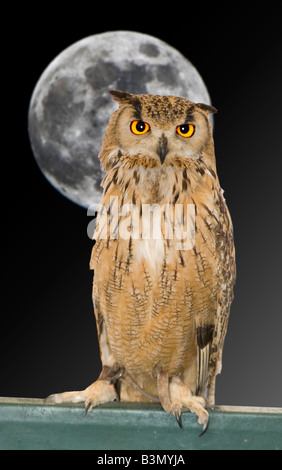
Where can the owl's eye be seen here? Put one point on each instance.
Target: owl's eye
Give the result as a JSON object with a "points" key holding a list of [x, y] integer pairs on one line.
{"points": [[139, 127], [185, 130]]}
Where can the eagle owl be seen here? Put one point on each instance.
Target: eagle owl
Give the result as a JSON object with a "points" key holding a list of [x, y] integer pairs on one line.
{"points": [[163, 261]]}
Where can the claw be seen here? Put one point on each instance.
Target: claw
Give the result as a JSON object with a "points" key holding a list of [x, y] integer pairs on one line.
{"points": [[176, 411], [204, 428], [88, 407], [178, 418]]}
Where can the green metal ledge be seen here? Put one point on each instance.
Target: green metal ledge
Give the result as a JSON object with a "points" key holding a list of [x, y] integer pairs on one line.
{"points": [[29, 424]]}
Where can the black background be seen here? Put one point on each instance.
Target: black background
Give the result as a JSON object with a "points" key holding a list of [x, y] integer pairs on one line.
{"points": [[48, 331]]}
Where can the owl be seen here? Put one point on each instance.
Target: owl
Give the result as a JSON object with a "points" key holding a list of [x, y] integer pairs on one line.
{"points": [[163, 259]]}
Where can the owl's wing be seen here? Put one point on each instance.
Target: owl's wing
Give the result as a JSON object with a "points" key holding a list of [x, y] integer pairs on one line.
{"points": [[214, 224], [105, 349]]}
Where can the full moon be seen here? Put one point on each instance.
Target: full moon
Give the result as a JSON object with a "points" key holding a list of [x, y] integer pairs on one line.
{"points": [[71, 106]]}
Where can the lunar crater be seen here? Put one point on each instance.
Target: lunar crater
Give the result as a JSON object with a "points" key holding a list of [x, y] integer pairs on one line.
{"points": [[149, 49]]}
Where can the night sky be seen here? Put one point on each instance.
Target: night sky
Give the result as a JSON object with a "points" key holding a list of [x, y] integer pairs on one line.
{"points": [[48, 330]]}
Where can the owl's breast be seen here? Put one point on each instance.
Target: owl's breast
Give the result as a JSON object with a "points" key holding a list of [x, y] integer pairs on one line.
{"points": [[149, 296], [151, 252]]}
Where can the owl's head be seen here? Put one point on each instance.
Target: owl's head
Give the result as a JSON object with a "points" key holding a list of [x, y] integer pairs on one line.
{"points": [[159, 128]]}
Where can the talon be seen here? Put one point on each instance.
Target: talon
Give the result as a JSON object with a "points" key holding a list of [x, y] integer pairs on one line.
{"points": [[177, 415], [205, 427], [88, 406]]}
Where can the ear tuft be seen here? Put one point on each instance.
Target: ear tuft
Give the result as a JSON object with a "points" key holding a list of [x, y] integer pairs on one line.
{"points": [[120, 96], [205, 107]]}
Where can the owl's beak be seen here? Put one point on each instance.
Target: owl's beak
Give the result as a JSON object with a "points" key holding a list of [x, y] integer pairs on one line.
{"points": [[162, 148]]}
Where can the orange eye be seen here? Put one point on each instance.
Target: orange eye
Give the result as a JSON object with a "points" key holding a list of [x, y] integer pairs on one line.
{"points": [[139, 127], [185, 130]]}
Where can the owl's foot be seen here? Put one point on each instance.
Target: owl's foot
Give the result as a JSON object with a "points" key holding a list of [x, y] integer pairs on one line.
{"points": [[101, 391], [182, 400], [176, 397]]}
